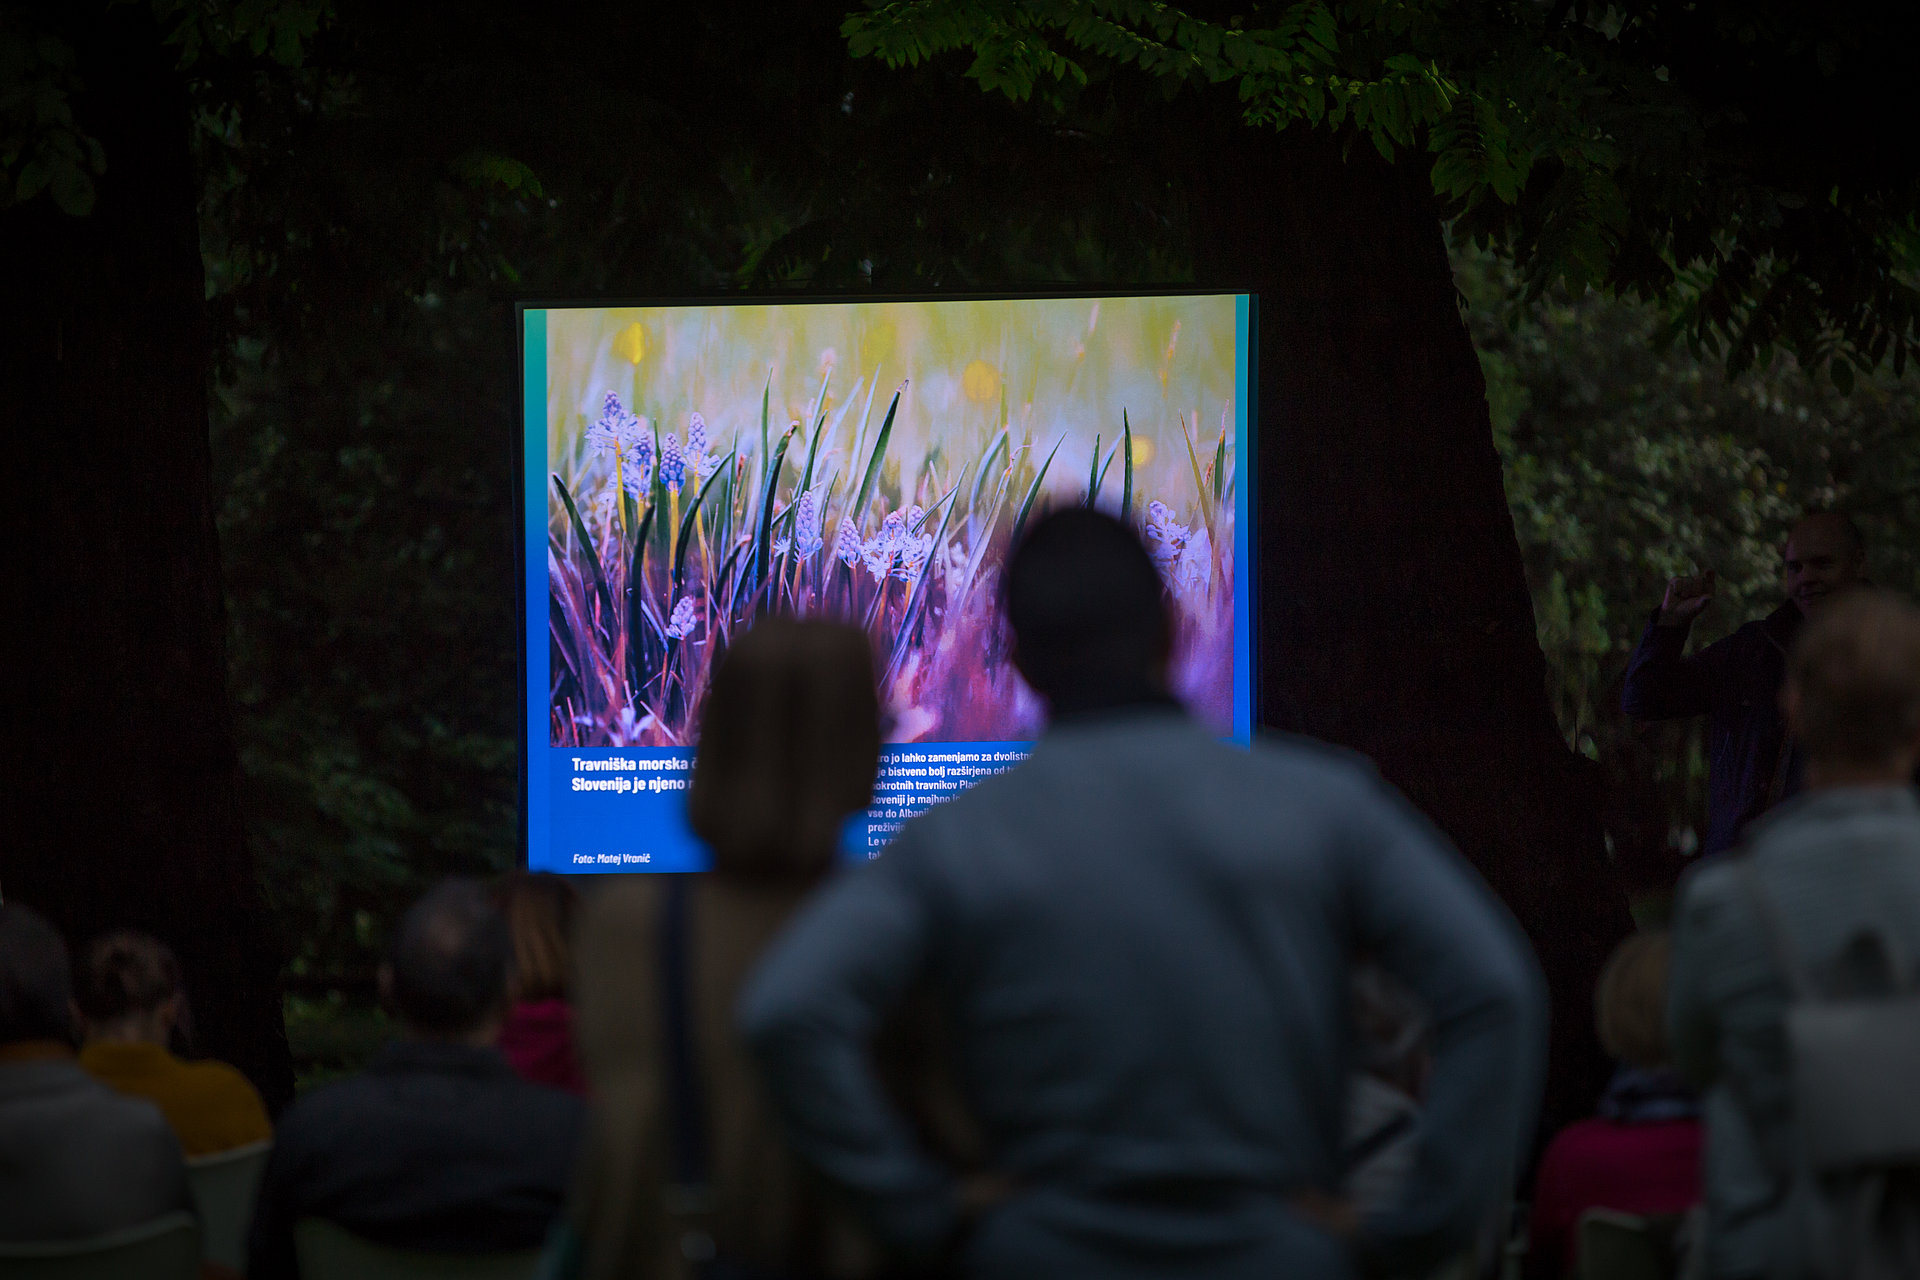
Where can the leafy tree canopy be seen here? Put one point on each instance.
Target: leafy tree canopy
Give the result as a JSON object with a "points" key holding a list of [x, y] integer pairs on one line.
{"points": [[1719, 156]]}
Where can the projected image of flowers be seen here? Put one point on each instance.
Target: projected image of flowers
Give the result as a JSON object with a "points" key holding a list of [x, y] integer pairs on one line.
{"points": [[873, 463]]}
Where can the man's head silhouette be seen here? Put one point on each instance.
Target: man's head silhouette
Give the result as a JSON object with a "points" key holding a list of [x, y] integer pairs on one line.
{"points": [[1088, 613]]}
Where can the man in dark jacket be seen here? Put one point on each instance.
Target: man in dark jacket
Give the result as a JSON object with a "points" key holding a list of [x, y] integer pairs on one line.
{"points": [[437, 1145], [1735, 682]]}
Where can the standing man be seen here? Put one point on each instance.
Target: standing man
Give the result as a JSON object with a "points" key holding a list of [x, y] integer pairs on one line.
{"points": [[1735, 682], [1142, 938]]}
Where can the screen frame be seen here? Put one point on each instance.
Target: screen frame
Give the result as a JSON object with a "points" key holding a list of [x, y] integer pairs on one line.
{"points": [[1246, 550]]}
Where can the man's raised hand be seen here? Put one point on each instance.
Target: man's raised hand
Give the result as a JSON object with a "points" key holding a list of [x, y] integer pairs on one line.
{"points": [[1686, 599]]}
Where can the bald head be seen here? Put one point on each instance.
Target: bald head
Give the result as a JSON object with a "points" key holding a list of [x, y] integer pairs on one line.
{"points": [[1825, 554]]}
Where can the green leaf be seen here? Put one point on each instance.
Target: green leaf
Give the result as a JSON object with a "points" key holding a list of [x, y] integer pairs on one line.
{"points": [[686, 523], [1126, 488], [586, 545], [858, 511], [1033, 491]]}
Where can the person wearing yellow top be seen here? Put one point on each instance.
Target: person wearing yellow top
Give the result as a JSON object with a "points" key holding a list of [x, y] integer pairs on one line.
{"points": [[132, 1006]]}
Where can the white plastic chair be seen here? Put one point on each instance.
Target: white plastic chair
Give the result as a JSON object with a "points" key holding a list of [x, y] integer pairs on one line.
{"points": [[168, 1248], [224, 1185], [328, 1251]]}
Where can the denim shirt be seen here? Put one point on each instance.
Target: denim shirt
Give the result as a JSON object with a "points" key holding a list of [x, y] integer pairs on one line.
{"points": [[1142, 936]]}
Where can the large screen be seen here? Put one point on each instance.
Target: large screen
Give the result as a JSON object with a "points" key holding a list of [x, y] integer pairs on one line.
{"points": [[690, 468]]}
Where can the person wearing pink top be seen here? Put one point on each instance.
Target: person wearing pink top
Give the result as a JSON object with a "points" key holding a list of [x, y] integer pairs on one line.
{"points": [[1641, 1153], [537, 1038]]}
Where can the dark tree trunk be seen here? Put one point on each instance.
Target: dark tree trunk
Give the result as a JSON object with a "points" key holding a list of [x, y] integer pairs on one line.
{"points": [[121, 782], [1395, 616]]}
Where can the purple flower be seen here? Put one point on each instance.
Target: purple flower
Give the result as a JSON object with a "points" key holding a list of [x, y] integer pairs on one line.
{"points": [[883, 549], [686, 616], [913, 557], [636, 470], [806, 525], [847, 544], [673, 463], [697, 449], [1166, 538]]}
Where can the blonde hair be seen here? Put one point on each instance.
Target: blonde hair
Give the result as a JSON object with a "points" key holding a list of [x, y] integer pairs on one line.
{"points": [[789, 744], [540, 908], [1630, 1001], [1856, 671]]}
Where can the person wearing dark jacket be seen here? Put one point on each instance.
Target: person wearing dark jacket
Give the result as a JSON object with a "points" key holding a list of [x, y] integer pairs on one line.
{"points": [[437, 1145], [1735, 682]]}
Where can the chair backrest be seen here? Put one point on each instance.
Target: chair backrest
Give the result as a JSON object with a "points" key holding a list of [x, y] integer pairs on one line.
{"points": [[168, 1248], [1624, 1246], [224, 1186], [330, 1252]]}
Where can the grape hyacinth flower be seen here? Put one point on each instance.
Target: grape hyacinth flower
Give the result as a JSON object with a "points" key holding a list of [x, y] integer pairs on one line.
{"points": [[847, 544], [884, 547], [698, 459], [636, 471], [673, 463], [1166, 538], [912, 557], [806, 526], [685, 618]]}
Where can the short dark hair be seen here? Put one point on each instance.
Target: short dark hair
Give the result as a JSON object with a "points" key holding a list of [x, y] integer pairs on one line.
{"points": [[36, 979], [1856, 669], [450, 959], [124, 973], [789, 745], [1848, 526], [1630, 1001], [1084, 601]]}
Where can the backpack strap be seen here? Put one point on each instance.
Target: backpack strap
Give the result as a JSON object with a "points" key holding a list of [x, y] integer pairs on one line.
{"points": [[1774, 931]]}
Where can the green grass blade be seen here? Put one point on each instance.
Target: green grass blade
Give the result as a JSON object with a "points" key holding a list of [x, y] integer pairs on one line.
{"points": [[1199, 484], [687, 518], [1033, 491], [1108, 464], [1126, 483], [636, 596], [763, 541], [586, 545], [1093, 471], [1220, 470], [859, 509], [866, 416], [986, 466], [766, 399]]}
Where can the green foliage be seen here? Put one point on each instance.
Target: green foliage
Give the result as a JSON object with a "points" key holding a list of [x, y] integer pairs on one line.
{"points": [[1628, 461], [44, 148], [1710, 156]]}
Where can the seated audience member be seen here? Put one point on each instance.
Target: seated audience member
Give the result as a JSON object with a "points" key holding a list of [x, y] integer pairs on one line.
{"points": [[437, 1145], [537, 1039], [1641, 1154], [76, 1158], [132, 1007], [789, 743], [1837, 865], [1143, 939]]}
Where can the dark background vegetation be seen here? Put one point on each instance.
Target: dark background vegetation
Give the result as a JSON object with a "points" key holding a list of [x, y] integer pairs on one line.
{"points": [[1664, 330]]}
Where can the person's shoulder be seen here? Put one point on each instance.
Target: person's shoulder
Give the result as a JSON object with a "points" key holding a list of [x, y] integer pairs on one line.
{"points": [[1708, 889], [218, 1082]]}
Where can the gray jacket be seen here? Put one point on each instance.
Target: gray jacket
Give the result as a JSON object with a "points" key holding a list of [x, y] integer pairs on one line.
{"points": [[1832, 862], [1143, 937], [78, 1159]]}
